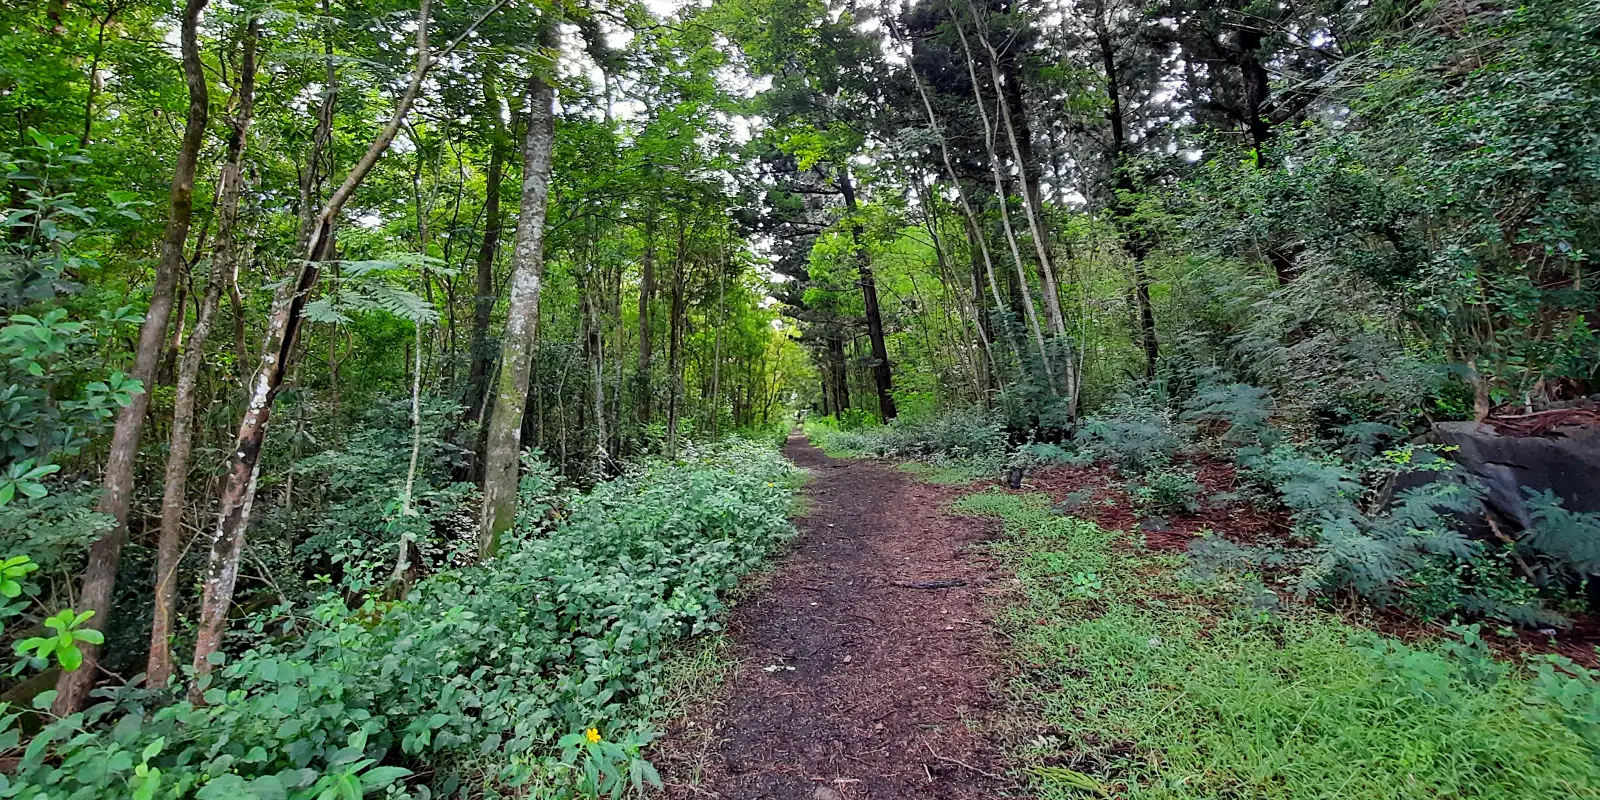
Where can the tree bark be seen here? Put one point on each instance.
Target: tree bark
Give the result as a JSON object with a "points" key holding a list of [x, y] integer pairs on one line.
{"points": [[503, 448], [224, 263], [277, 356], [488, 248], [882, 375], [105, 555], [647, 291]]}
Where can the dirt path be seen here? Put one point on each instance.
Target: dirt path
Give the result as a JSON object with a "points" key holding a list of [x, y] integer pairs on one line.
{"points": [[853, 682]]}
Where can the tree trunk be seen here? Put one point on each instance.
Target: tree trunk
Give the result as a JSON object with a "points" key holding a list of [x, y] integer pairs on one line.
{"points": [[715, 395], [224, 264], [483, 299], [881, 372], [838, 374], [398, 582], [1005, 211], [675, 345], [503, 449], [647, 291], [277, 356], [105, 555], [1122, 203]]}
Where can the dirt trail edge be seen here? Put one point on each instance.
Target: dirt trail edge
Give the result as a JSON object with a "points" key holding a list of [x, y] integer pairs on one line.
{"points": [[865, 664]]}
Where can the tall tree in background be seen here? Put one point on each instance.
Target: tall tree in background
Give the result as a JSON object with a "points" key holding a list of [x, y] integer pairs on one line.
{"points": [[503, 447]]}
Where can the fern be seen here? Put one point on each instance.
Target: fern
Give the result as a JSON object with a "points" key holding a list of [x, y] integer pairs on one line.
{"points": [[1568, 542]]}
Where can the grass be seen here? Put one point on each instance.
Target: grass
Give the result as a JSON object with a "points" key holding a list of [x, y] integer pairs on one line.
{"points": [[949, 473], [1133, 683]]}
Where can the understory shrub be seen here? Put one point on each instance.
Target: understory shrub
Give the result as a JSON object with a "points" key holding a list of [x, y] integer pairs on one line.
{"points": [[1140, 694], [968, 436], [1136, 434], [1168, 491], [511, 676]]}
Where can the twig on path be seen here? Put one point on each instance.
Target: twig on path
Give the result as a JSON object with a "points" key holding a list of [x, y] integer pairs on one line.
{"points": [[947, 584], [959, 762]]}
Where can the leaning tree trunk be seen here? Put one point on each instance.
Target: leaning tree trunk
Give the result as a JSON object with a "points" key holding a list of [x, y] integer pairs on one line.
{"points": [[1035, 214], [503, 447], [1005, 212], [226, 541], [224, 261], [882, 374], [105, 555]]}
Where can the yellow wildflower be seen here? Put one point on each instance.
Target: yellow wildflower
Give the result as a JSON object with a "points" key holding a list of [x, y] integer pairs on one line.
{"points": [[593, 735]]}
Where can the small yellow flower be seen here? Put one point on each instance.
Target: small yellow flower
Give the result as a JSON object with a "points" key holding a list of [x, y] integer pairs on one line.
{"points": [[770, 485], [593, 735]]}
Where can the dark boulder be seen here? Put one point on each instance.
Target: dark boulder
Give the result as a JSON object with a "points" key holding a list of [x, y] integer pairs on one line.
{"points": [[1565, 460]]}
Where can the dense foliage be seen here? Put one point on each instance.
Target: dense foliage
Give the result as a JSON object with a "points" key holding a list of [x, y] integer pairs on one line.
{"points": [[474, 678]]}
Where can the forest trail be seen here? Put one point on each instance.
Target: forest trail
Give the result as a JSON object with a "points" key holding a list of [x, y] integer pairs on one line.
{"points": [[853, 682]]}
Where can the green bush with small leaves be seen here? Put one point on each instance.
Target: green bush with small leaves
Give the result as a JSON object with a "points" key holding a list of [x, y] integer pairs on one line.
{"points": [[475, 681]]}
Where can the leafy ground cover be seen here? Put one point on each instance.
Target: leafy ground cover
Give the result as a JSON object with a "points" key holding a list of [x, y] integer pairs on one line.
{"points": [[1133, 681], [536, 673]]}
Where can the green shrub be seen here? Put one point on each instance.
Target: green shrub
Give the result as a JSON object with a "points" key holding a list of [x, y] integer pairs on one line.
{"points": [[1134, 435], [477, 678], [968, 436], [1168, 491]]}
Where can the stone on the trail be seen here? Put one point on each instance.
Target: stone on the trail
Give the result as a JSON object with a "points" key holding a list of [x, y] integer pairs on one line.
{"points": [[1154, 525], [824, 793]]}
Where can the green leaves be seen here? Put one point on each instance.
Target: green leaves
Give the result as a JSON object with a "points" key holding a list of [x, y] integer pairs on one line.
{"points": [[63, 645], [488, 666], [22, 476]]}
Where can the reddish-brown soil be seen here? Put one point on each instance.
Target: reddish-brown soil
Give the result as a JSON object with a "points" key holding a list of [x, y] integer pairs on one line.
{"points": [[1109, 506], [852, 681]]}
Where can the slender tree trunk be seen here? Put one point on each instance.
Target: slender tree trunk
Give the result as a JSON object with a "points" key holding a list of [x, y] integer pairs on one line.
{"points": [[1021, 154], [105, 555], [402, 561], [839, 373], [1121, 204], [647, 291], [224, 263], [715, 395], [974, 229], [594, 354], [1005, 211], [277, 356], [503, 449], [675, 345], [882, 374], [483, 299]]}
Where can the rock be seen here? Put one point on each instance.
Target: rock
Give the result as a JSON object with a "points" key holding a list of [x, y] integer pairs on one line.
{"points": [[1565, 461], [1154, 525], [824, 793]]}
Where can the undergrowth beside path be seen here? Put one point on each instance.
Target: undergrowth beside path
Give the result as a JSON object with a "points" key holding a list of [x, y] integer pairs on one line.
{"points": [[1131, 682]]}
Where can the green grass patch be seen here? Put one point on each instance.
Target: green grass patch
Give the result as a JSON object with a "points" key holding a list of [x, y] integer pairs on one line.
{"points": [[946, 473], [1138, 684]]}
